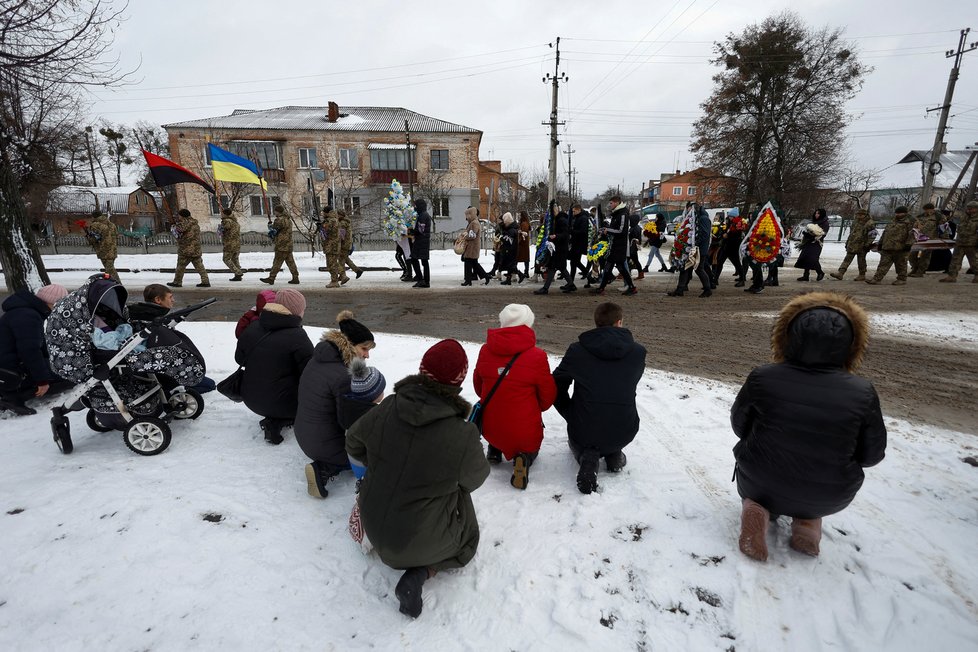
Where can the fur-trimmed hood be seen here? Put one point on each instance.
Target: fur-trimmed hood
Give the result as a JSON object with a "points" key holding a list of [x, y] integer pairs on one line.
{"points": [[342, 344], [415, 405], [821, 329]]}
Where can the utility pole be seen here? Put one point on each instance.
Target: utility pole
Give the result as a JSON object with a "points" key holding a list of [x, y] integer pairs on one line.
{"points": [[410, 159], [570, 174], [934, 165], [555, 79]]}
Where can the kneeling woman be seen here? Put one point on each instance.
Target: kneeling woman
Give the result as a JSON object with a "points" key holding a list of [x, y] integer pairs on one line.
{"points": [[807, 425], [423, 461]]}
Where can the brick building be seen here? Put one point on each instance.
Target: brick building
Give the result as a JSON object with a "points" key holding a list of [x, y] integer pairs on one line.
{"points": [[131, 208], [700, 185], [498, 191], [351, 153]]}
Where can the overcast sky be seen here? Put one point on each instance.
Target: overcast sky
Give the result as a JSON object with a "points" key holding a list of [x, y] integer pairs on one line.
{"points": [[638, 70]]}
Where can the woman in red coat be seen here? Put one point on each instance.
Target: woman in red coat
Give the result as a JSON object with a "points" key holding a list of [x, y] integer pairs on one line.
{"points": [[511, 422]]}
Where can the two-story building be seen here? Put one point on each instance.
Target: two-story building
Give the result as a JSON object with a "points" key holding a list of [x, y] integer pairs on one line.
{"points": [[499, 191], [310, 155], [133, 209], [701, 185]]}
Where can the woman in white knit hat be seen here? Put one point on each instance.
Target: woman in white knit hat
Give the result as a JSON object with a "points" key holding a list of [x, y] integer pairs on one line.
{"points": [[511, 420]]}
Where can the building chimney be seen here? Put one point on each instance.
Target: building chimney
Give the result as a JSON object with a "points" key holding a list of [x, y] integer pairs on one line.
{"points": [[334, 112]]}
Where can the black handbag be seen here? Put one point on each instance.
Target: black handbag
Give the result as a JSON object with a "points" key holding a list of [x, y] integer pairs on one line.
{"points": [[480, 406], [230, 387]]}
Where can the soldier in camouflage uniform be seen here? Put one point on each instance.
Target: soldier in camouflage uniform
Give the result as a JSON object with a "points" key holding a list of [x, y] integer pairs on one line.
{"points": [[281, 233], [894, 247], [346, 234], [333, 246], [861, 235], [927, 224], [965, 244], [231, 238], [101, 234], [187, 232]]}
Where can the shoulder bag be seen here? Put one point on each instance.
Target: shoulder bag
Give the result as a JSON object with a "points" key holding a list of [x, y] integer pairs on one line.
{"points": [[476, 415]]}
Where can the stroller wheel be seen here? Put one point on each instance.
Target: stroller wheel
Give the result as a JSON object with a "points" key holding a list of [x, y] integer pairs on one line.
{"points": [[187, 404], [62, 434], [92, 420], [147, 436]]}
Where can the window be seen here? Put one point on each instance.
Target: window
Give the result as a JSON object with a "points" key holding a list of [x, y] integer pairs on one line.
{"points": [[258, 207], [439, 160], [677, 190], [311, 205], [307, 157], [389, 159], [263, 152], [351, 205], [225, 203], [691, 190], [349, 159], [708, 190], [440, 207]]}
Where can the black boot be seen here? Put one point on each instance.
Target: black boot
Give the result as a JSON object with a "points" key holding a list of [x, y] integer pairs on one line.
{"points": [[273, 430], [408, 591], [587, 476]]}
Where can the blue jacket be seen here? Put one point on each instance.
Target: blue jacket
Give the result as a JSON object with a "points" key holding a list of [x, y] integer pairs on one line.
{"points": [[22, 346]]}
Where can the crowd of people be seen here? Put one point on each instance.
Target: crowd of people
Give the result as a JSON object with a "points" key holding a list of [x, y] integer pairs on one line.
{"points": [[417, 453], [596, 248]]}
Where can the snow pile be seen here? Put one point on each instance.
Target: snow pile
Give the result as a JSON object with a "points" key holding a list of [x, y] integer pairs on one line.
{"points": [[216, 545]]}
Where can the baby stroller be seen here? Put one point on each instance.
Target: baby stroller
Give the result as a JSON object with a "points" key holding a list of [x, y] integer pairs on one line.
{"points": [[138, 387]]}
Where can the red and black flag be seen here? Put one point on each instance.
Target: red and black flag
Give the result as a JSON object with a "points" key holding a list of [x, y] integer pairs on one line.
{"points": [[166, 172]]}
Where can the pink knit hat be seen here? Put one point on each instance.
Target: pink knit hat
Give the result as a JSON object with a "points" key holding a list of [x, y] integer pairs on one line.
{"points": [[293, 301], [51, 294]]}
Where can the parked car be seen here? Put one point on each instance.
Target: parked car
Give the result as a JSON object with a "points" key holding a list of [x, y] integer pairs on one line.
{"points": [[673, 225]]}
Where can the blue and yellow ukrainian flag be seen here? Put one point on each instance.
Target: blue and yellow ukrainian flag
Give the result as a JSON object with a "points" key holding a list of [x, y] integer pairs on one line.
{"points": [[231, 167]]}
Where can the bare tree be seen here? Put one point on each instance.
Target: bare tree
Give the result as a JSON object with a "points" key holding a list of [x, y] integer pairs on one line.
{"points": [[776, 114], [49, 49]]}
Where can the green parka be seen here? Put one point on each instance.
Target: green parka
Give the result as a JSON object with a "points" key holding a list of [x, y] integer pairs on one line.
{"points": [[230, 234], [423, 462], [898, 235], [101, 234], [283, 234], [859, 240], [188, 237]]}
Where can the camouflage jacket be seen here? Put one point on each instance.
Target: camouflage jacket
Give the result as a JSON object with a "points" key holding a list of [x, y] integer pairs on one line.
{"points": [[859, 239], [898, 235], [332, 240], [928, 224], [230, 233], [968, 231], [282, 226], [101, 234], [346, 234], [188, 237]]}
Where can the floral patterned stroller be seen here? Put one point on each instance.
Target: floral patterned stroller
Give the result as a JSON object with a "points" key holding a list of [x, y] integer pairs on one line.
{"points": [[138, 388]]}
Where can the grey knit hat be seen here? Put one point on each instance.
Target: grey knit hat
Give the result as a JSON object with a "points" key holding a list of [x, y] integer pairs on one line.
{"points": [[366, 383]]}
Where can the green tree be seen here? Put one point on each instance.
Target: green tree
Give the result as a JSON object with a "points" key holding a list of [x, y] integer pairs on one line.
{"points": [[776, 116]]}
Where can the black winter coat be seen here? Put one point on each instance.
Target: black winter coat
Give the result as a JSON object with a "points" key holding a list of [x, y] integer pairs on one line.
{"points": [[273, 367], [421, 244], [618, 234], [605, 366], [807, 427], [579, 233], [317, 427], [22, 346]]}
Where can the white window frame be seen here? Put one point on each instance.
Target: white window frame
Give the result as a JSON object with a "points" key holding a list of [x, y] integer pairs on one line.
{"points": [[691, 190], [677, 190], [349, 158], [311, 162], [351, 205], [225, 203], [440, 207]]}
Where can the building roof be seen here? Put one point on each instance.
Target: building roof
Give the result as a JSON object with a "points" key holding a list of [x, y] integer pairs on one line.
{"points": [[81, 199], [912, 176], [699, 174], [313, 118]]}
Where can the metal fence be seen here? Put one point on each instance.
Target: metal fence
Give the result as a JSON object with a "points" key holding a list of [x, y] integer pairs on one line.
{"points": [[163, 243]]}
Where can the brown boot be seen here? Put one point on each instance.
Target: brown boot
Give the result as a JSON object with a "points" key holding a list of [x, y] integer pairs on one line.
{"points": [[899, 281], [872, 281], [948, 279], [861, 277], [753, 530], [838, 275], [805, 535]]}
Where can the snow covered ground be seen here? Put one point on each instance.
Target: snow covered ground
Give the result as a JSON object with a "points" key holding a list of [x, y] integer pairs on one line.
{"points": [[215, 544]]}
